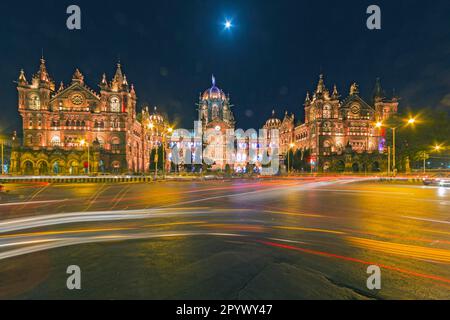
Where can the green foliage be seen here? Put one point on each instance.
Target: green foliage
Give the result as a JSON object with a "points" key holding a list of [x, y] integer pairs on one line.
{"points": [[160, 158], [228, 171], [298, 160]]}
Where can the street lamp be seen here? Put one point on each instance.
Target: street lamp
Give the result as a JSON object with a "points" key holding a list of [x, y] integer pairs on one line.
{"points": [[169, 130], [380, 124], [83, 143]]}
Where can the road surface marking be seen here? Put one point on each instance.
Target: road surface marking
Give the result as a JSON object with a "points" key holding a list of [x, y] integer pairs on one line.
{"points": [[30, 202], [427, 220]]}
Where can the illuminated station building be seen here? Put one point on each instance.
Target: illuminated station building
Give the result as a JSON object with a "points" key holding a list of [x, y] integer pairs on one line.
{"points": [[337, 132], [68, 128]]}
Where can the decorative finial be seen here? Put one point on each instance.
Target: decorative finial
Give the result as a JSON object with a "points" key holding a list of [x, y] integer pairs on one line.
{"points": [[335, 93], [78, 76], [22, 78], [308, 98], [354, 89]]}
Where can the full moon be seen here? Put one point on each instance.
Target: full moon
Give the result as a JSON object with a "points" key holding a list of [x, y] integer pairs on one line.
{"points": [[228, 24]]}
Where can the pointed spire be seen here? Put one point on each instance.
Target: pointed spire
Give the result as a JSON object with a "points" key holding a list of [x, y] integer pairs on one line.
{"points": [[61, 87], [335, 94], [378, 94], [118, 76], [213, 80], [132, 91], [104, 83], [125, 81], [43, 74], [308, 98], [22, 78], [321, 86]]}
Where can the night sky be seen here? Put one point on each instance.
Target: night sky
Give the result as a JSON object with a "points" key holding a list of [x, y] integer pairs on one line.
{"points": [[269, 59]]}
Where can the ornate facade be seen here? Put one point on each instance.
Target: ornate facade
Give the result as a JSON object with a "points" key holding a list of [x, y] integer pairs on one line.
{"points": [[73, 129], [334, 127]]}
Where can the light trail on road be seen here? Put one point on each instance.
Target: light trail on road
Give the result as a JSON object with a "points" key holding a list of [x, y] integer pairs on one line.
{"points": [[191, 224]]}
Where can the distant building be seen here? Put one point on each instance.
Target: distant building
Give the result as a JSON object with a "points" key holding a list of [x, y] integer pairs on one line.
{"points": [[334, 129], [69, 127]]}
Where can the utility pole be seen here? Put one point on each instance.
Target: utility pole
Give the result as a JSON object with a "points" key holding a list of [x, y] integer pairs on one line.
{"points": [[389, 162], [3, 159], [89, 159], [156, 163], [394, 166], [424, 163]]}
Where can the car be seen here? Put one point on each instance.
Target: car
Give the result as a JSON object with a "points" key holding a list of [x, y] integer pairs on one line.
{"points": [[2, 189], [440, 181]]}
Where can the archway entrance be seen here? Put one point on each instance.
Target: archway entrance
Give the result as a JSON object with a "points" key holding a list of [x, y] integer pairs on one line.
{"points": [[28, 168], [355, 167], [43, 168], [58, 167]]}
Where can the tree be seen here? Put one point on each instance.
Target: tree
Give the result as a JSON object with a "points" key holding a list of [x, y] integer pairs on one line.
{"points": [[158, 155], [228, 171]]}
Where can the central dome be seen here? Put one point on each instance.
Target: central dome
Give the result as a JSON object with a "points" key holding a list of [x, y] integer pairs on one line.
{"points": [[273, 122], [213, 93]]}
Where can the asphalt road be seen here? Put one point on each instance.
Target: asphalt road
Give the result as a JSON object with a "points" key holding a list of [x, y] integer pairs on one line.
{"points": [[273, 239]]}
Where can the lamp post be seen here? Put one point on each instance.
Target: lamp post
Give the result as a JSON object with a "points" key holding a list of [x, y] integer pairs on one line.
{"points": [[379, 124], [169, 130], [84, 143]]}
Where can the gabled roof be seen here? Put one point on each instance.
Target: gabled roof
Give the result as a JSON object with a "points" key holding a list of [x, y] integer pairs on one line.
{"points": [[76, 86], [356, 98]]}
